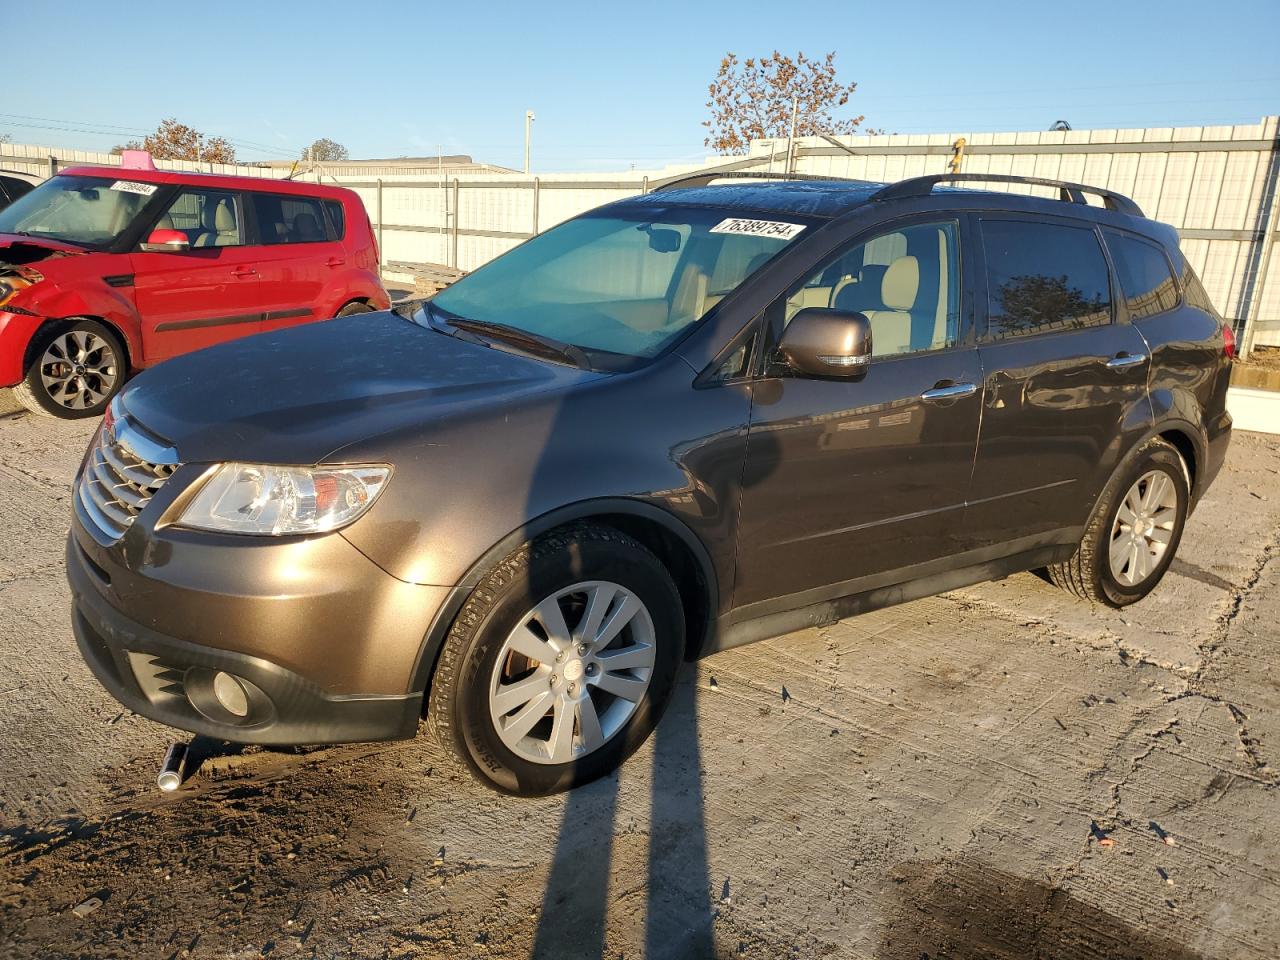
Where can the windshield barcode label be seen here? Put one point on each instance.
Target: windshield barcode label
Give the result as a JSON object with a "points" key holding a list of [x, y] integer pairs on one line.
{"points": [[132, 186], [759, 228]]}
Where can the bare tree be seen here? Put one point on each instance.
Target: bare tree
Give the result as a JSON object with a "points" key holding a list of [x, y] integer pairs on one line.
{"points": [[326, 150], [177, 141], [752, 99]]}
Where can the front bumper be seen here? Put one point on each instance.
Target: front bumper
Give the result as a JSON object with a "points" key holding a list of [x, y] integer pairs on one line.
{"points": [[16, 330], [323, 641], [170, 681]]}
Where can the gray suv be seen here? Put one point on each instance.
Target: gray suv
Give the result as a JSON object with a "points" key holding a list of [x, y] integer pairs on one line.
{"points": [[678, 423]]}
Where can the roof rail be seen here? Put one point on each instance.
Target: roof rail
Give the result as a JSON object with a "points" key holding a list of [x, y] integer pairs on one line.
{"points": [[1072, 192], [703, 179]]}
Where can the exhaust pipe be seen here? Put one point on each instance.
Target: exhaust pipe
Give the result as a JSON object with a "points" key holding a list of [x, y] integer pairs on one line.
{"points": [[173, 768]]}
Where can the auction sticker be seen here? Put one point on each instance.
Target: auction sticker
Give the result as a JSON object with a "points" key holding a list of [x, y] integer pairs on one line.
{"points": [[773, 229], [132, 186]]}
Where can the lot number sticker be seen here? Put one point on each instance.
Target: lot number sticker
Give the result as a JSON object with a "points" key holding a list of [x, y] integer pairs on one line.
{"points": [[759, 228], [132, 186]]}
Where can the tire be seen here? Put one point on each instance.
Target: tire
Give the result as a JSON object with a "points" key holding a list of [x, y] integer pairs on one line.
{"points": [[477, 663], [351, 309], [1091, 573], [76, 367]]}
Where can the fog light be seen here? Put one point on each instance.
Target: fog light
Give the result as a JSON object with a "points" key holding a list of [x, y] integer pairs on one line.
{"points": [[230, 694]]}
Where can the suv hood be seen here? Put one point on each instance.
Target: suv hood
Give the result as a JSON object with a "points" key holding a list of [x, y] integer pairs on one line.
{"points": [[16, 250], [297, 395]]}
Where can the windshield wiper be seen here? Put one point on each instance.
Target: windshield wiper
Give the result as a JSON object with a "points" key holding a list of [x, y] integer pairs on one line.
{"points": [[524, 338]]}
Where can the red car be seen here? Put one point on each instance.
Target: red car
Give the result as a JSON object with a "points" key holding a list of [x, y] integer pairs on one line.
{"points": [[104, 271]]}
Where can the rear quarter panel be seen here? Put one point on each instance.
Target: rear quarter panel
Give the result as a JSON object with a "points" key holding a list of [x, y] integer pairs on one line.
{"points": [[1190, 374]]}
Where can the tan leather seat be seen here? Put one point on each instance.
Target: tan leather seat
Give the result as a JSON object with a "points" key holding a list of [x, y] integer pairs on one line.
{"points": [[891, 327], [219, 226]]}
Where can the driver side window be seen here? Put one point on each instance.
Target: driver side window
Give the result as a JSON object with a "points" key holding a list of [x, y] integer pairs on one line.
{"points": [[906, 281], [209, 218]]}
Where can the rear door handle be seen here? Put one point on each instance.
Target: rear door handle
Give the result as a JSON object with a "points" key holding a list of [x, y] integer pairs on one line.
{"points": [[950, 392], [244, 272], [335, 261], [1126, 360]]}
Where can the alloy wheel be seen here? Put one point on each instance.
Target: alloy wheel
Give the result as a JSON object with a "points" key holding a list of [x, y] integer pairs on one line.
{"points": [[79, 369], [1143, 528], [572, 672]]}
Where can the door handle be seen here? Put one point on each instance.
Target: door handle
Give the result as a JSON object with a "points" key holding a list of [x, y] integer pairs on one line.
{"points": [[1126, 360], [244, 272], [335, 261], [951, 391]]}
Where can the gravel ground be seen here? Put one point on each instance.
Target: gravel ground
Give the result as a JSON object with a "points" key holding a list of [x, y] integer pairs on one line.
{"points": [[997, 772]]}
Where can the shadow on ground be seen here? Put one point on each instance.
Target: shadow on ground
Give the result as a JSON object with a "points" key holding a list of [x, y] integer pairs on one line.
{"points": [[965, 910]]}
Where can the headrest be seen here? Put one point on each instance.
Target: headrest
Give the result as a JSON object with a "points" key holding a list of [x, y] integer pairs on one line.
{"points": [[307, 227], [224, 218], [901, 284], [865, 294]]}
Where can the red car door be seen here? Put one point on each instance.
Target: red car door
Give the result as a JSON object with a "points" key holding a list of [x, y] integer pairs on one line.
{"points": [[204, 294], [295, 260]]}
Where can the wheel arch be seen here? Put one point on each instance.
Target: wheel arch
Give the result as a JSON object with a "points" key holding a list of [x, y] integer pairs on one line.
{"points": [[29, 356], [657, 529]]}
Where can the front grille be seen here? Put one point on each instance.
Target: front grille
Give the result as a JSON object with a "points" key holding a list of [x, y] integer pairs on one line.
{"points": [[118, 482]]}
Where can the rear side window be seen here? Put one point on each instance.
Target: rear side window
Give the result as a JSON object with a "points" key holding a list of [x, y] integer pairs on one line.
{"points": [[1146, 278], [13, 187], [1194, 290], [337, 218], [1043, 277], [288, 219]]}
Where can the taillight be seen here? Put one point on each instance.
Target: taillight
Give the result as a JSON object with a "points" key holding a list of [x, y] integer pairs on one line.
{"points": [[1228, 341]]}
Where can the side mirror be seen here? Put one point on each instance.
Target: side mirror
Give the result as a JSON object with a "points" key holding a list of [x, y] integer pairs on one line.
{"points": [[166, 241], [828, 343]]}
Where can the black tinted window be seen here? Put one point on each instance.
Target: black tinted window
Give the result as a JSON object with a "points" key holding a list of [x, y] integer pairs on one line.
{"points": [[337, 218], [13, 187], [1193, 288], [1043, 277], [288, 219], [1145, 276]]}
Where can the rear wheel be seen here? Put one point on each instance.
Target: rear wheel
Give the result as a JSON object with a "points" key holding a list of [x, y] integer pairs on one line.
{"points": [[77, 367], [1134, 531], [560, 663]]}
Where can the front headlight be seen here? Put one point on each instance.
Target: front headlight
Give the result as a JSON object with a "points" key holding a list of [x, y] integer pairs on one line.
{"points": [[274, 501], [16, 279]]}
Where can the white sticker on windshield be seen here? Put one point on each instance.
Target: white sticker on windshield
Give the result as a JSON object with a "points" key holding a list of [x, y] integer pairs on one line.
{"points": [[759, 228], [132, 186]]}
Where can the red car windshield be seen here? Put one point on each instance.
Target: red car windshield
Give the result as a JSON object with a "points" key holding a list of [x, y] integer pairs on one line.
{"points": [[90, 211]]}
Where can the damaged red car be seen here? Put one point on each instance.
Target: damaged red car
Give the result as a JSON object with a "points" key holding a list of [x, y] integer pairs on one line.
{"points": [[104, 271]]}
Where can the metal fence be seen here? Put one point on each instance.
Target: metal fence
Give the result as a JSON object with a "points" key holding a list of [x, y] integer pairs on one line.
{"points": [[1216, 185]]}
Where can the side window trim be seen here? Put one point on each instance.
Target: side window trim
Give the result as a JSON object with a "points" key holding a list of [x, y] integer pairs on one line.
{"points": [[984, 281]]}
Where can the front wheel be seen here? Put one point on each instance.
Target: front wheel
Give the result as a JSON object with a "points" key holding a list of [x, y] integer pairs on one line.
{"points": [[1134, 531], [77, 367], [560, 662]]}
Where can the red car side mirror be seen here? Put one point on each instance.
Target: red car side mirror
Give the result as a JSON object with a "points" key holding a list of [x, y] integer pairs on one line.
{"points": [[166, 241]]}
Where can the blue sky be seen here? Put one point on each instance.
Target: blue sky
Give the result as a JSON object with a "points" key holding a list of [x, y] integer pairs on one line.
{"points": [[612, 84]]}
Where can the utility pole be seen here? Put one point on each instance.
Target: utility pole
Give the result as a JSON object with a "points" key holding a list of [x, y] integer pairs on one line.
{"points": [[791, 140], [528, 133]]}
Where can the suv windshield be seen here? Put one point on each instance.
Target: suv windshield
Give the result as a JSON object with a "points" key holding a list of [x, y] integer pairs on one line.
{"points": [[619, 283], [90, 211]]}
